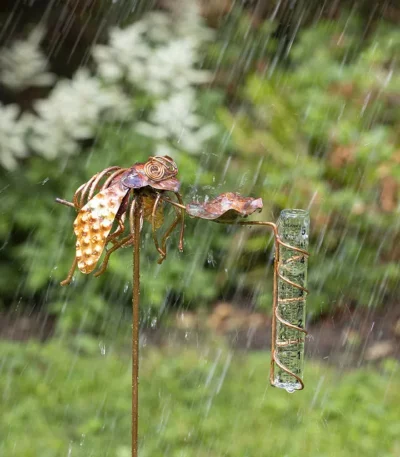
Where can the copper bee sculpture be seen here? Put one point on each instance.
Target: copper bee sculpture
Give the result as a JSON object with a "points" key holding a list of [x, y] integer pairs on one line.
{"points": [[112, 195], [117, 195]]}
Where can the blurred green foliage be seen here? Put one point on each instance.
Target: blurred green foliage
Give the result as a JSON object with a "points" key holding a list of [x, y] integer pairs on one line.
{"points": [[321, 132], [192, 403], [313, 124]]}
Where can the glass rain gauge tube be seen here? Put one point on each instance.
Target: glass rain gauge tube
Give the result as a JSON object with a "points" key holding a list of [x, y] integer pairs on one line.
{"points": [[288, 332]]}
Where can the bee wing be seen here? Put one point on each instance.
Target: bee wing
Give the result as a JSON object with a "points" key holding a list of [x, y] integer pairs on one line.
{"points": [[93, 225]]}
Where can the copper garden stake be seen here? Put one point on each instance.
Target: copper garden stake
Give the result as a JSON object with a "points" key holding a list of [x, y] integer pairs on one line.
{"points": [[140, 193]]}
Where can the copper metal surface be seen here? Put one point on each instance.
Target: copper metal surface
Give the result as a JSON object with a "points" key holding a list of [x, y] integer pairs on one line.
{"points": [[137, 213]]}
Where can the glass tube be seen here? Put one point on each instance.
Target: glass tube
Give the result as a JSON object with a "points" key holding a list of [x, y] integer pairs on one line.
{"points": [[293, 229]]}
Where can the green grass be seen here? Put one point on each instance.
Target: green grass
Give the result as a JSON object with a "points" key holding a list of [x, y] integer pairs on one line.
{"points": [[57, 402]]}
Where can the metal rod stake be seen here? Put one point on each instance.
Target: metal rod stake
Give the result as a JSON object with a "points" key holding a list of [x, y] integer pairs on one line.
{"points": [[135, 323]]}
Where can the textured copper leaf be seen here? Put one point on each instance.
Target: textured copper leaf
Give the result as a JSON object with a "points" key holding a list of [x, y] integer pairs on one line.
{"points": [[226, 207], [93, 224], [148, 205]]}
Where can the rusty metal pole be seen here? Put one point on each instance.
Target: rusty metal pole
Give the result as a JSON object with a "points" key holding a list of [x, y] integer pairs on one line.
{"points": [[137, 207]]}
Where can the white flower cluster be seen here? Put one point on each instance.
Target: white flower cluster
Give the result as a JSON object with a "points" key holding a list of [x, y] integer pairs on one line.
{"points": [[24, 65], [12, 136], [153, 54], [72, 113], [173, 121], [159, 55]]}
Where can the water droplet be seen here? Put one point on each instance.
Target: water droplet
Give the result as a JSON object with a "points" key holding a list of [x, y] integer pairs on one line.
{"points": [[82, 439], [210, 259]]}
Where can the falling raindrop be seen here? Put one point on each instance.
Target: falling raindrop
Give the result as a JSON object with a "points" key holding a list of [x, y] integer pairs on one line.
{"points": [[102, 347]]}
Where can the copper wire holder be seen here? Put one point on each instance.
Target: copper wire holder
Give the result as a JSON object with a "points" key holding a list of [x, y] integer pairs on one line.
{"points": [[275, 314]]}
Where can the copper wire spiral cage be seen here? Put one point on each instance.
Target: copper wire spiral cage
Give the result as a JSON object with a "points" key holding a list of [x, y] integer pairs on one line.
{"points": [[300, 255], [279, 264]]}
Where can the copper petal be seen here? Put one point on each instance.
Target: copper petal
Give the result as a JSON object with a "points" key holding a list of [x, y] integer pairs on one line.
{"points": [[225, 207], [171, 184]]}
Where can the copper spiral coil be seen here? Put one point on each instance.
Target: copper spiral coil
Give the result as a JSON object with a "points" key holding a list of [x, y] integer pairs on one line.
{"points": [[275, 315], [278, 266], [160, 168]]}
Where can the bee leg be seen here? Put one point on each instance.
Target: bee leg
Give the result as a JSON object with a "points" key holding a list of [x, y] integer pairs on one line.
{"points": [[70, 273], [121, 228], [182, 217], [123, 242], [65, 202], [120, 217], [154, 229], [167, 235]]}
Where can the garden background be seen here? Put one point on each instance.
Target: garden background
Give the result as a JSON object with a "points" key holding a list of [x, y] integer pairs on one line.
{"points": [[294, 102]]}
